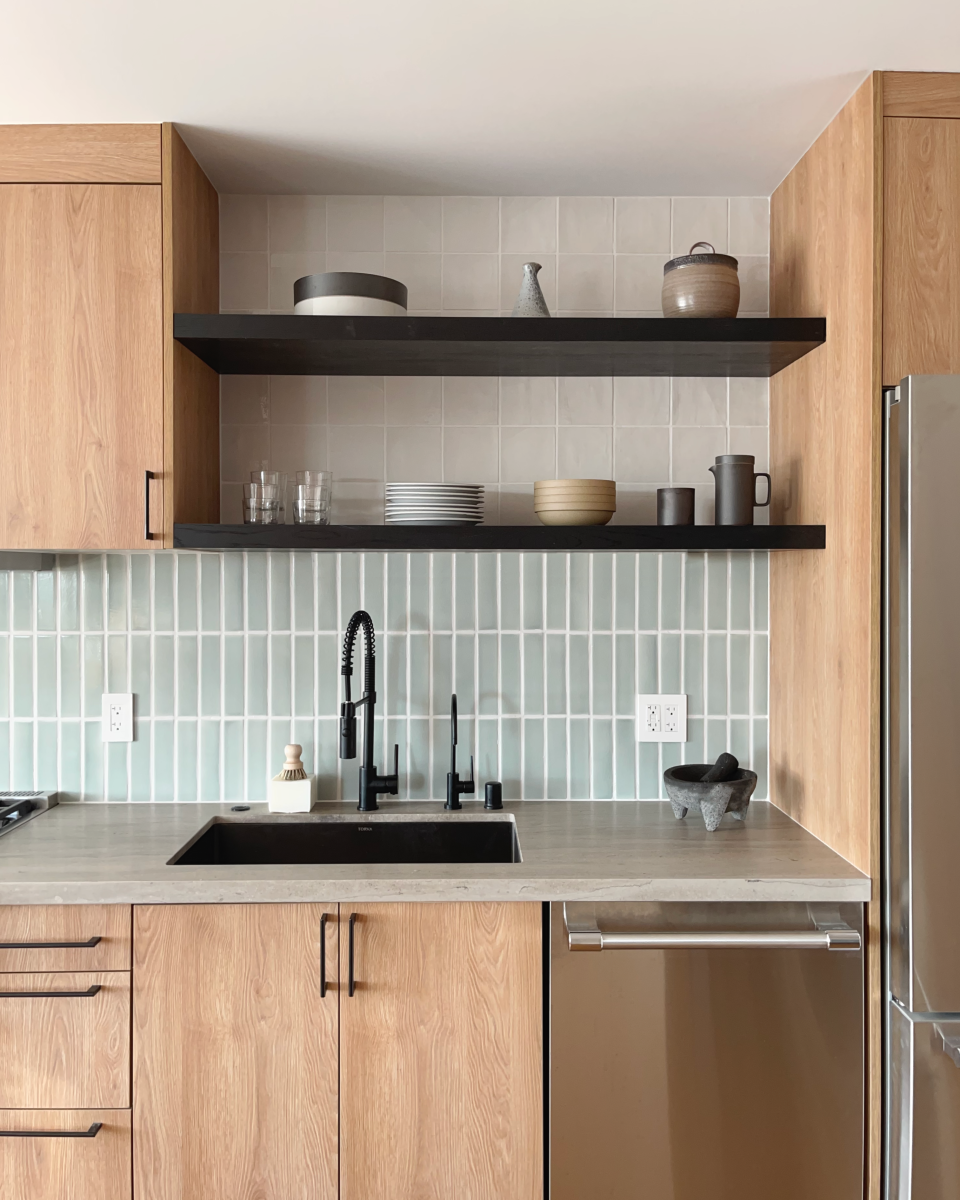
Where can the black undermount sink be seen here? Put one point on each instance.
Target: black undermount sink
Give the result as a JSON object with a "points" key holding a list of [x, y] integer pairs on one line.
{"points": [[225, 842]]}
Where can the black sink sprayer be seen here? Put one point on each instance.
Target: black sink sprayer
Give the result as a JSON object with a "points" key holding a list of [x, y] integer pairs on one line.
{"points": [[371, 784]]}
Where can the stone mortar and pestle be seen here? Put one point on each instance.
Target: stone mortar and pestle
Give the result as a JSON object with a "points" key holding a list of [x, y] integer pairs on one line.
{"points": [[711, 791]]}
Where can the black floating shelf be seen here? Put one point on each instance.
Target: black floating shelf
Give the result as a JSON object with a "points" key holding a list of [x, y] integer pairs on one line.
{"points": [[694, 346], [499, 537]]}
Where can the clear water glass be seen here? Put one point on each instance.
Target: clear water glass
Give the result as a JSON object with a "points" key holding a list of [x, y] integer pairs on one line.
{"points": [[277, 480], [311, 505], [262, 504]]}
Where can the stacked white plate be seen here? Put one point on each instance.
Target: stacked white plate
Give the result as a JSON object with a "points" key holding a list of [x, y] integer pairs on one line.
{"points": [[434, 504]]}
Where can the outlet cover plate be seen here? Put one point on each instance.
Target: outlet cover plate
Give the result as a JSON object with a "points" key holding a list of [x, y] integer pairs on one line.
{"points": [[661, 718], [116, 716]]}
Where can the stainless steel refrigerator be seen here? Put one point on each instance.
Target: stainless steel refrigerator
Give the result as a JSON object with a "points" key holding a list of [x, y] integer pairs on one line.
{"points": [[922, 787]]}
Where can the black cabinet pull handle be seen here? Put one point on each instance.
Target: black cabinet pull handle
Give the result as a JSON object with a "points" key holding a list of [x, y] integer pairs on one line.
{"points": [[323, 956], [50, 945], [351, 986], [147, 476], [55, 1133], [91, 991]]}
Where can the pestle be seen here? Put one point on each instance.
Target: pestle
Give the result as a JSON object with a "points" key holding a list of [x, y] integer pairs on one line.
{"points": [[724, 768]]}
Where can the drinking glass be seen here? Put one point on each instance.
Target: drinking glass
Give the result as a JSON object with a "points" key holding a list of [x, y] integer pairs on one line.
{"points": [[311, 504], [262, 504], [274, 479]]}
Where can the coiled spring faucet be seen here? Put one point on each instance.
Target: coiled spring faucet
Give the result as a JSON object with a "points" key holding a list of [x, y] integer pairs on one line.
{"points": [[371, 784]]}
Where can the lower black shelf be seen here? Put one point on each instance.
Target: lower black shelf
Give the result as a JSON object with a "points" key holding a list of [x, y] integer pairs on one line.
{"points": [[499, 537]]}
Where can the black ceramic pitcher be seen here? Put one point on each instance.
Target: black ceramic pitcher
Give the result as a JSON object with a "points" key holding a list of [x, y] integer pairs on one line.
{"points": [[736, 489]]}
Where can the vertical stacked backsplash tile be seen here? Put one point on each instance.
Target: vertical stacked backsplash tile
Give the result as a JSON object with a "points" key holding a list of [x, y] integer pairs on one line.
{"points": [[462, 255], [231, 656]]}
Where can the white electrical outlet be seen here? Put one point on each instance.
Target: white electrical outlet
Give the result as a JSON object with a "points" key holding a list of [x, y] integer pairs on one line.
{"points": [[661, 718], [116, 716]]}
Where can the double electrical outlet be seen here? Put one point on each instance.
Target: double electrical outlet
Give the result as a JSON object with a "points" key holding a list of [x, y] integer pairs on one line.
{"points": [[661, 718], [116, 716]]}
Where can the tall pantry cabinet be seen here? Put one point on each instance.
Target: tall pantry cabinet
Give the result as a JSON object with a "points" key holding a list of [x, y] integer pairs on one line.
{"points": [[109, 430]]}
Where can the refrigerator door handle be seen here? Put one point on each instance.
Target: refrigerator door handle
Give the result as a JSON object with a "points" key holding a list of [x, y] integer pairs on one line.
{"points": [[949, 1044], [586, 935]]}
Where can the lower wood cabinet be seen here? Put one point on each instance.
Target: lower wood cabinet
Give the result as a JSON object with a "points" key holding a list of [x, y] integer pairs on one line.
{"points": [[58, 1155]]}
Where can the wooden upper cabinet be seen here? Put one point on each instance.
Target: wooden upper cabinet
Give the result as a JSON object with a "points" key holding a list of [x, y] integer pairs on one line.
{"points": [[79, 153], [441, 1086]]}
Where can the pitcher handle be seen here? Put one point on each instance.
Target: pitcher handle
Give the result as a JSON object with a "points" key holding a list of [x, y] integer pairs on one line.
{"points": [[762, 503]]}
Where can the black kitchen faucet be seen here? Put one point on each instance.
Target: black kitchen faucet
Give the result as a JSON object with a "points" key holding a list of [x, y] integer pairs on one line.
{"points": [[455, 786], [371, 784]]}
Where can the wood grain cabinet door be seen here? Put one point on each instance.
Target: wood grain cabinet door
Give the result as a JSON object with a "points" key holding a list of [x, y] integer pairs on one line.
{"points": [[235, 1052], [441, 1050], [81, 364], [52, 1163]]}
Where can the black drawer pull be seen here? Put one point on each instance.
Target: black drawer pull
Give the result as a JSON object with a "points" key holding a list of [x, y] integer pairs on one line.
{"points": [[91, 991], [351, 987], [50, 945], [323, 956], [91, 1132]]}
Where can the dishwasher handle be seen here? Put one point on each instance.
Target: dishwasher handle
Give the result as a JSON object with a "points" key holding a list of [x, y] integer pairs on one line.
{"points": [[587, 935]]}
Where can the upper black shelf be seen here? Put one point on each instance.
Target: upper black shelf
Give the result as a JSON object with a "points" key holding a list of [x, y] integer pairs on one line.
{"points": [[499, 537], [240, 344]]}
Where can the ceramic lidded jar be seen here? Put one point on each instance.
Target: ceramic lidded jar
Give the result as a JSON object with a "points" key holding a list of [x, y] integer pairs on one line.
{"points": [[701, 285]]}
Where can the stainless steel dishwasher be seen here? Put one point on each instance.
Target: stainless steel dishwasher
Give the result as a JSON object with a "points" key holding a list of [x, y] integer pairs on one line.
{"points": [[705, 1052]]}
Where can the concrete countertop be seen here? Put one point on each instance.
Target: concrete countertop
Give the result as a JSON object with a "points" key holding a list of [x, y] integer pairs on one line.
{"points": [[571, 850]]}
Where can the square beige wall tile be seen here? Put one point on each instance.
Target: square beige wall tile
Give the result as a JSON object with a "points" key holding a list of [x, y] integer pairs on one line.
{"points": [[699, 402], [286, 269], [528, 400], [585, 452], [642, 225], [641, 401], [641, 455], [699, 219], [528, 225], [297, 399], [471, 400], [297, 223], [356, 453], [639, 282], [471, 282], [414, 454], [413, 399], [355, 223], [298, 448], [585, 283], [421, 273], [749, 225], [243, 223], [355, 399], [245, 399], [471, 454], [693, 451], [471, 224], [585, 225], [585, 400], [243, 282], [527, 455], [412, 223]]}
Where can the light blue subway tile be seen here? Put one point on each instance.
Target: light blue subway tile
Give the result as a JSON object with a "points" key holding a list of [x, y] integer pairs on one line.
{"points": [[556, 759], [760, 761], [510, 700], [466, 746], [140, 673], [304, 734], [418, 685], [233, 605], [395, 675], [47, 757], [395, 734], [488, 753], [533, 674], [625, 754], [328, 566], [281, 674], [187, 592], [625, 604], [716, 738], [373, 586], [465, 583], [116, 591], [625, 677], [602, 674], [533, 765], [21, 765], [648, 591], [117, 673], [233, 766], [188, 675], [397, 592], [740, 591], [329, 680], [303, 675], [209, 792], [4, 600], [760, 674], [163, 675], [648, 771], [488, 687], [93, 676], [716, 674], [440, 763], [555, 572], [23, 605], [70, 756], [671, 573], [46, 676], [162, 591], [255, 572], [647, 659], [441, 672], [717, 592], [140, 591], [92, 761], [6, 731], [556, 652], [740, 673], [420, 591], [510, 757], [233, 693], [740, 739], [532, 573], [68, 589], [4, 677], [509, 591], [579, 737], [671, 755], [117, 790], [280, 734], [670, 675], [602, 758], [46, 585], [486, 591], [256, 750], [141, 782], [210, 675], [693, 573], [761, 586], [441, 591], [579, 673], [693, 748], [693, 671], [418, 783], [257, 675], [579, 591], [164, 780], [303, 609], [279, 591], [210, 592], [602, 611], [464, 676]]}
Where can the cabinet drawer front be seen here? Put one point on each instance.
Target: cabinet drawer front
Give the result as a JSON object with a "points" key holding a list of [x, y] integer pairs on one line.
{"points": [[54, 1168], [63, 1050], [57, 937]]}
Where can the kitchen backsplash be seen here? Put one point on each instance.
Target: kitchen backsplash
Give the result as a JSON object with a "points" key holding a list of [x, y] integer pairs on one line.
{"points": [[233, 655], [462, 255]]}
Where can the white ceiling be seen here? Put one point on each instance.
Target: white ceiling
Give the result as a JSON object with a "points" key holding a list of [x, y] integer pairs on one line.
{"points": [[515, 97]]}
